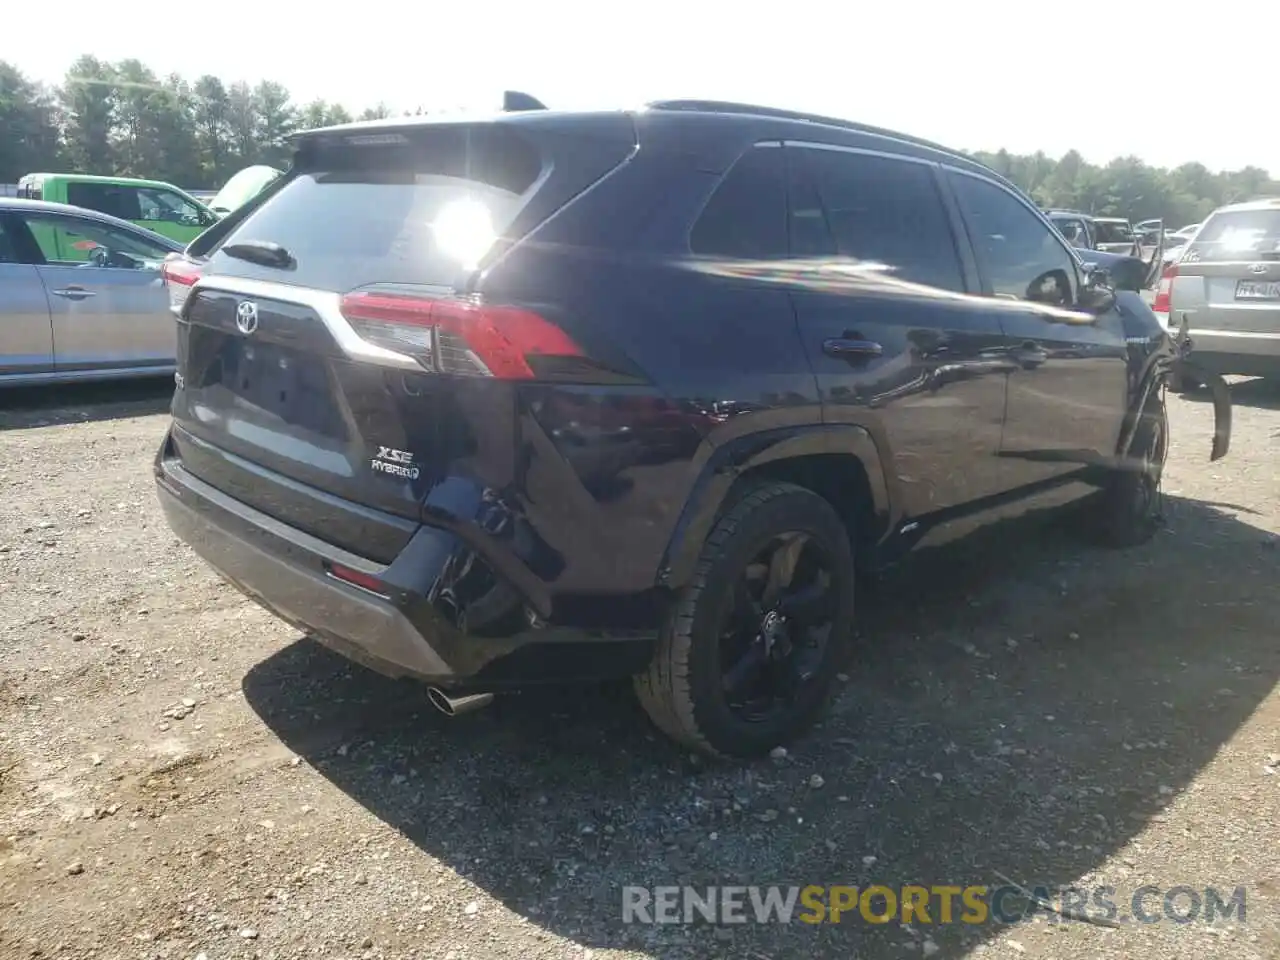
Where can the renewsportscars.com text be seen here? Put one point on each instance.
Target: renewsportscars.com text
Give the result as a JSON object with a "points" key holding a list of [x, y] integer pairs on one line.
{"points": [[934, 904]]}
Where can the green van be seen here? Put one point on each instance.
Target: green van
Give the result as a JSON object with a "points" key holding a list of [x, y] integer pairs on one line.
{"points": [[159, 207]]}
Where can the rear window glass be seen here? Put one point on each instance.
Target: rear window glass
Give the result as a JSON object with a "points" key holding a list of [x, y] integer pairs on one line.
{"points": [[420, 212], [1113, 232], [1238, 235]]}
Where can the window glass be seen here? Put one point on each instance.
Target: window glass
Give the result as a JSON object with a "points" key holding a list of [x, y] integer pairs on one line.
{"points": [[1109, 231], [882, 211], [167, 206], [1023, 258], [74, 241], [745, 219], [106, 198], [1237, 235]]}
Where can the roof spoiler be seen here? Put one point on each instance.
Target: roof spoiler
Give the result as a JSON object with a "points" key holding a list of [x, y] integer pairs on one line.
{"points": [[513, 101]]}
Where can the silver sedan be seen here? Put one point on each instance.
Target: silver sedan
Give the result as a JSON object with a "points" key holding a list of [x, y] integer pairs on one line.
{"points": [[81, 296]]}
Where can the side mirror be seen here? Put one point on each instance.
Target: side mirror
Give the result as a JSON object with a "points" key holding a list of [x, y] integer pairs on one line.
{"points": [[1097, 295]]}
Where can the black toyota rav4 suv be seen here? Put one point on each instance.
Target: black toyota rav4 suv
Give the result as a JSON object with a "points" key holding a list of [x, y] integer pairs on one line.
{"points": [[552, 397]]}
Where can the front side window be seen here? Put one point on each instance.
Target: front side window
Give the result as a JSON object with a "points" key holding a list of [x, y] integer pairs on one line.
{"points": [[884, 213], [72, 241], [166, 206], [1023, 258], [745, 219]]}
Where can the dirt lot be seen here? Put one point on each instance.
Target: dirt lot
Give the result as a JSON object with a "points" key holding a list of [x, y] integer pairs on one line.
{"points": [[181, 776]]}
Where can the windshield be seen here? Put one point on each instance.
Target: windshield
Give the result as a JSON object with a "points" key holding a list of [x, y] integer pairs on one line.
{"points": [[1109, 231], [242, 188], [1238, 235]]}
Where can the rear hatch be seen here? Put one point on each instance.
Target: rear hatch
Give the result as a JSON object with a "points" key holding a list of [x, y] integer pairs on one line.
{"points": [[1228, 279], [326, 349]]}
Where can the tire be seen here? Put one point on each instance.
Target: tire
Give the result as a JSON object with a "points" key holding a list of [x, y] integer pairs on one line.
{"points": [[683, 689], [1129, 509]]}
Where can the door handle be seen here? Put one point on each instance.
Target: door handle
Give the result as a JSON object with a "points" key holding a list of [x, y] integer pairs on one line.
{"points": [[74, 293], [1030, 354], [851, 349]]}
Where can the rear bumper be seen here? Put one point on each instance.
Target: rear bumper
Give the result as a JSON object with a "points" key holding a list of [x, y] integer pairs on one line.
{"points": [[412, 631], [1234, 352]]}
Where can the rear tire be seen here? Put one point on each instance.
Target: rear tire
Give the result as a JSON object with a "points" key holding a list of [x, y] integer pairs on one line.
{"points": [[690, 690], [1129, 509]]}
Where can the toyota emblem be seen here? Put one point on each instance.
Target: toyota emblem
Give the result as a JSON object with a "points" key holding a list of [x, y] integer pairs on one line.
{"points": [[1258, 268], [247, 317]]}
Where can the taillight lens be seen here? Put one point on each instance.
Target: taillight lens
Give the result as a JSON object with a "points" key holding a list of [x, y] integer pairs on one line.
{"points": [[179, 275], [464, 337], [1164, 291]]}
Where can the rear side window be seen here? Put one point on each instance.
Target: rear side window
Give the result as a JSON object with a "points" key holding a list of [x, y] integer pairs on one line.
{"points": [[1237, 235], [745, 219], [107, 198], [879, 211], [396, 211]]}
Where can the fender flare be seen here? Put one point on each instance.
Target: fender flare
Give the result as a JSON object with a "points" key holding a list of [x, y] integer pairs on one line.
{"points": [[724, 464]]}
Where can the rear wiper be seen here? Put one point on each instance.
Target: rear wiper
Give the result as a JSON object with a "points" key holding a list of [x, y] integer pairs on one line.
{"points": [[263, 253]]}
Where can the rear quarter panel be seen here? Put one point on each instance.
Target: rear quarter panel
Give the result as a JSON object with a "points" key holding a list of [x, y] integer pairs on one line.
{"points": [[710, 358]]}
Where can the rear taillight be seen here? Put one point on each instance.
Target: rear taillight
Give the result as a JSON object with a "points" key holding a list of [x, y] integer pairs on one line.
{"points": [[179, 275], [1164, 290], [458, 336]]}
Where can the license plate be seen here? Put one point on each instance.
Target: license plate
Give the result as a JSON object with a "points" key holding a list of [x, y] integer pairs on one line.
{"points": [[1258, 290]]}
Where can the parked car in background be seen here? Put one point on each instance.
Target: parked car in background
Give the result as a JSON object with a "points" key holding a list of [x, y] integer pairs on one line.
{"points": [[560, 396], [1226, 286], [101, 314], [1085, 232], [159, 207], [242, 188], [1115, 235]]}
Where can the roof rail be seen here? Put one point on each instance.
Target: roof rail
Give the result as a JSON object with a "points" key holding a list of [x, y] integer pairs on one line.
{"points": [[748, 109]]}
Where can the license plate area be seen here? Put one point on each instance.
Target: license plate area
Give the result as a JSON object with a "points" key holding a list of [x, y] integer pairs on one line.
{"points": [[288, 386], [1266, 290]]}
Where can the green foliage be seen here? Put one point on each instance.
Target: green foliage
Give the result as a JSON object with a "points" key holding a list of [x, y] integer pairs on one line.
{"points": [[1127, 187], [120, 118]]}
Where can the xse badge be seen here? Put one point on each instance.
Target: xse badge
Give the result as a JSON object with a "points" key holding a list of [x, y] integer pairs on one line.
{"points": [[398, 463]]}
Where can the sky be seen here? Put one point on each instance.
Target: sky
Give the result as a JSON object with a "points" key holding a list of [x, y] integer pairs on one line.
{"points": [[1109, 79]]}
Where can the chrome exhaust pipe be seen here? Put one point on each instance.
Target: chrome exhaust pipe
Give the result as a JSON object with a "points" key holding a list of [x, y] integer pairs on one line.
{"points": [[455, 706]]}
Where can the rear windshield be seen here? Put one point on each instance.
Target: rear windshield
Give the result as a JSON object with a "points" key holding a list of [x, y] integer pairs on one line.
{"points": [[399, 212], [1113, 232], [1237, 235]]}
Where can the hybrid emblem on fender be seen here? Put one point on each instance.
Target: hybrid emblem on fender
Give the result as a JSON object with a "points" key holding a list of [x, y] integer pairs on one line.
{"points": [[247, 317], [398, 463]]}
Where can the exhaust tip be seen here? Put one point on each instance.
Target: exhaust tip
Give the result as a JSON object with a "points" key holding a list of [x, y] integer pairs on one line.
{"points": [[454, 706]]}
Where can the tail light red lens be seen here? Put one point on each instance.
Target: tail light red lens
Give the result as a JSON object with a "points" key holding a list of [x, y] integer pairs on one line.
{"points": [[179, 275], [1165, 289], [463, 337]]}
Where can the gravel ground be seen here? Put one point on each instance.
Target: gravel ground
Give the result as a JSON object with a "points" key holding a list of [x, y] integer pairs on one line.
{"points": [[181, 776]]}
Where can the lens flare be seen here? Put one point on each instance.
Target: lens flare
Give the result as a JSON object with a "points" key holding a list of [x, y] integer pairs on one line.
{"points": [[464, 231]]}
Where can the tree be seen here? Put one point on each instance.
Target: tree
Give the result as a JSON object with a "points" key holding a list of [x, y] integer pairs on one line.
{"points": [[277, 118], [242, 123], [89, 99], [121, 119], [30, 120], [212, 132]]}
